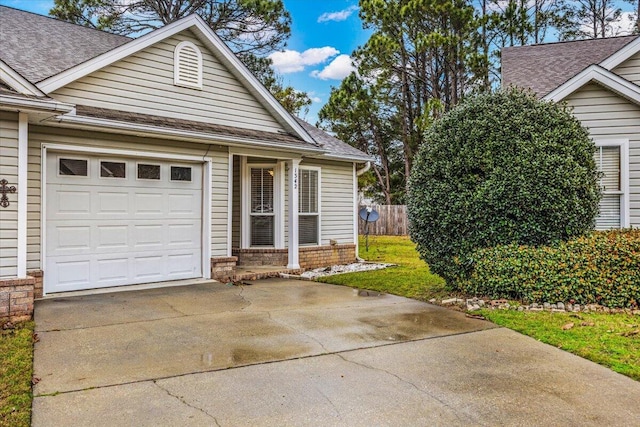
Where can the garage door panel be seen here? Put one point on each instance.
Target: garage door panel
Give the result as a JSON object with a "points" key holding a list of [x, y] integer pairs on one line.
{"points": [[112, 203], [149, 204], [72, 203], [119, 231], [112, 237]]}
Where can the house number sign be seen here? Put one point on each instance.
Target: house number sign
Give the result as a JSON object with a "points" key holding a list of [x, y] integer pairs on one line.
{"points": [[295, 178], [4, 189]]}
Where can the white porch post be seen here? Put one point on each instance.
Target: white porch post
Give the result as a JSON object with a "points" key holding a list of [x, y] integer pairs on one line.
{"points": [[23, 147], [294, 256]]}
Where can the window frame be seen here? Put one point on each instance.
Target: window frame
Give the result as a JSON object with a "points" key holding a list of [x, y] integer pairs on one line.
{"points": [[177, 81], [148, 164], [275, 213], [624, 176], [318, 213], [61, 156], [173, 165]]}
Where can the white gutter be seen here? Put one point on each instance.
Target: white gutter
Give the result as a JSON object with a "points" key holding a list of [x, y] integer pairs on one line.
{"points": [[92, 123], [365, 169], [34, 105]]}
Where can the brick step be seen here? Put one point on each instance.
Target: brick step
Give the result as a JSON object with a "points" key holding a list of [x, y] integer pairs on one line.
{"points": [[257, 275]]}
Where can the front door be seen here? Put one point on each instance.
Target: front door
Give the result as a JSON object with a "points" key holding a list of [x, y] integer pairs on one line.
{"points": [[262, 213]]}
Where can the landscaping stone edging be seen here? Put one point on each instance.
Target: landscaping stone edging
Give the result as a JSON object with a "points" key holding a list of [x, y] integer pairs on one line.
{"points": [[473, 304]]}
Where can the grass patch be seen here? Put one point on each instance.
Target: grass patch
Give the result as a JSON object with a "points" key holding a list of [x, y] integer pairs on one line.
{"points": [[16, 372], [611, 340], [411, 278]]}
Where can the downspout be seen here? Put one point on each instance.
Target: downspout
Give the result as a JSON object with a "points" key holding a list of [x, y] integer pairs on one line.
{"points": [[359, 172], [365, 169]]}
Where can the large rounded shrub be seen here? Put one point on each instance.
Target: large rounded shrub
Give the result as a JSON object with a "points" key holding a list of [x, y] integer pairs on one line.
{"points": [[500, 168]]}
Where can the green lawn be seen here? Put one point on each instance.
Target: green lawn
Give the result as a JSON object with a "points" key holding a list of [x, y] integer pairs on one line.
{"points": [[16, 372], [411, 278], [612, 340]]}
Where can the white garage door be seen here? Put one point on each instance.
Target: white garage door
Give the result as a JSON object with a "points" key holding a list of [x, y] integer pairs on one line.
{"points": [[121, 221]]}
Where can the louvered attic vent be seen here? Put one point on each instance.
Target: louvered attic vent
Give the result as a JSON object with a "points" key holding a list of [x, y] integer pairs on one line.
{"points": [[187, 69]]}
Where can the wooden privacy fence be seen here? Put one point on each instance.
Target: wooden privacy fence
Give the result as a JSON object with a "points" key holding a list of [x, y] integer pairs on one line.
{"points": [[393, 221]]}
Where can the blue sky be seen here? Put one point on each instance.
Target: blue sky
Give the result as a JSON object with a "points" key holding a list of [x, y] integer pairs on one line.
{"points": [[323, 35]]}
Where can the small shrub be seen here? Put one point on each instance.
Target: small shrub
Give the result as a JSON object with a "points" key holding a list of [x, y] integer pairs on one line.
{"points": [[500, 168], [602, 267]]}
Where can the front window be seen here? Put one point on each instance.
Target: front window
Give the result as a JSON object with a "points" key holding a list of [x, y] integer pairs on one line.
{"points": [[611, 210], [308, 207], [262, 203]]}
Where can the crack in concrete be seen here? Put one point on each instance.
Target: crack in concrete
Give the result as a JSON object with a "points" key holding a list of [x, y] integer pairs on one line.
{"points": [[243, 298], [406, 381], [184, 402], [333, 405]]}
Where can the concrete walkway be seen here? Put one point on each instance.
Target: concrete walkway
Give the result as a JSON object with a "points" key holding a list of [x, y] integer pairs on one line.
{"points": [[301, 353]]}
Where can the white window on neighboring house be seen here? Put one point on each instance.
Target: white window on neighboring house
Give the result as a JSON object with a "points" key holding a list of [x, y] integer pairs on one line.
{"points": [[187, 66], [309, 206], [262, 203], [612, 163]]}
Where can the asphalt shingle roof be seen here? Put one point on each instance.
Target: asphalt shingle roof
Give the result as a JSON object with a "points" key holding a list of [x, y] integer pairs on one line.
{"points": [[335, 146], [38, 46], [544, 67]]}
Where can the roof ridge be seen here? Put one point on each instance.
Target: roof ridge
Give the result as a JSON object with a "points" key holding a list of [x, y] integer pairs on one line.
{"points": [[600, 39], [64, 22]]}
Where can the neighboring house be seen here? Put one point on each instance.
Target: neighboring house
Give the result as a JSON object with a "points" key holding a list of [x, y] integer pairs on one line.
{"points": [[600, 80], [154, 159]]}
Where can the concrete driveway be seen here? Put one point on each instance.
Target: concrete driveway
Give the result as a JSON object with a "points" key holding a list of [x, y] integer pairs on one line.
{"points": [[285, 352]]}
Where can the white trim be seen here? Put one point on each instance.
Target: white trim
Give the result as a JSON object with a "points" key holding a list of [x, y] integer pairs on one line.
{"points": [[245, 226], [43, 214], [251, 152], [122, 153], [293, 252], [177, 63], [23, 173], [18, 103], [600, 75], [355, 211], [17, 82], [207, 172], [245, 238], [319, 200], [205, 162], [344, 157], [201, 29], [229, 206], [94, 124], [625, 217], [621, 55], [279, 204]]}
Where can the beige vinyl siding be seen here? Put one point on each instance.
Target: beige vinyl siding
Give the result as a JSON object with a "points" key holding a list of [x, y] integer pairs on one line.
{"points": [[609, 116], [336, 217], [9, 215], [630, 69], [143, 83], [219, 179]]}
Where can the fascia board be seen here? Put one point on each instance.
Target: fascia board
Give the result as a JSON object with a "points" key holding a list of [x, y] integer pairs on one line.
{"points": [[96, 124], [12, 78], [621, 55], [600, 75], [36, 105]]}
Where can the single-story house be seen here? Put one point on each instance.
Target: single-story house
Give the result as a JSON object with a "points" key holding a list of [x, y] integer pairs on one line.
{"points": [[600, 80], [159, 158]]}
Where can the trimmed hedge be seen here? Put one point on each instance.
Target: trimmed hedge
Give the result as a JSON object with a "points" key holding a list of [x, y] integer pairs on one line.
{"points": [[602, 267], [501, 168]]}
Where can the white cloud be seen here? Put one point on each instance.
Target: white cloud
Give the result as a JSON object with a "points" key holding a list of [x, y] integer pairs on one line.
{"points": [[314, 97], [337, 16], [291, 61], [338, 69]]}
